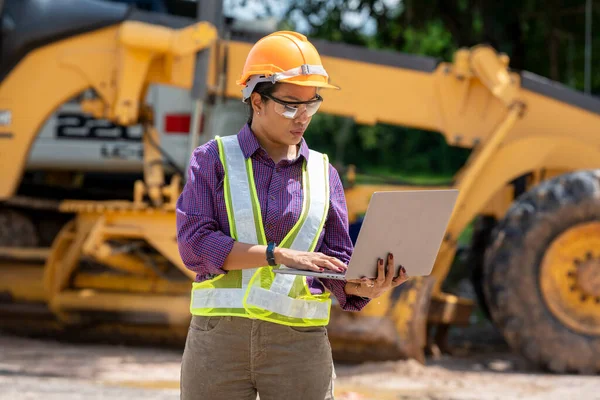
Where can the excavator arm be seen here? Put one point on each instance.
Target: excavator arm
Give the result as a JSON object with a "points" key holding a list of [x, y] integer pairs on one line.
{"points": [[118, 62], [475, 101]]}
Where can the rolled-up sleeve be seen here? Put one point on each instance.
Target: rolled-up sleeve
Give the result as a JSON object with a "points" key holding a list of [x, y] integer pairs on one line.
{"points": [[203, 246], [337, 243]]}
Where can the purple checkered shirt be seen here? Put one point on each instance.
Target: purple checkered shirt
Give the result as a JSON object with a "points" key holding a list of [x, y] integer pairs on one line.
{"points": [[203, 232]]}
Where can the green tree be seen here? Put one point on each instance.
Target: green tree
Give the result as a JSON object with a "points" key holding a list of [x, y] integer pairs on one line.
{"points": [[544, 37]]}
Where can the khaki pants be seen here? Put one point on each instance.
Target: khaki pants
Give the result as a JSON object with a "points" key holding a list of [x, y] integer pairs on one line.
{"points": [[233, 358]]}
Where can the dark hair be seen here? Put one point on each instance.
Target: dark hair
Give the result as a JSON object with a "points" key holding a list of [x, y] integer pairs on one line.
{"points": [[263, 89]]}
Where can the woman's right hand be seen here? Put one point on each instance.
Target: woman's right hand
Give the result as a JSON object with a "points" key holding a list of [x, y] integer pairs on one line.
{"points": [[308, 261]]}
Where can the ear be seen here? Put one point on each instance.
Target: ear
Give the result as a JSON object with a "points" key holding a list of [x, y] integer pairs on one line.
{"points": [[256, 101]]}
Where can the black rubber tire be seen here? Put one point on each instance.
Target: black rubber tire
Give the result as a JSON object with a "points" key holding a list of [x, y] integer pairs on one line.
{"points": [[17, 229], [511, 271], [482, 233]]}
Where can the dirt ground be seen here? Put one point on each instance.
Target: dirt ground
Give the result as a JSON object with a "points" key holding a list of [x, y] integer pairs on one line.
{"points": [[50, 370]]}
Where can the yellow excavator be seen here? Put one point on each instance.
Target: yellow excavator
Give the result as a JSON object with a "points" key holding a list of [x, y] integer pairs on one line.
{"points": [[112, 266]]}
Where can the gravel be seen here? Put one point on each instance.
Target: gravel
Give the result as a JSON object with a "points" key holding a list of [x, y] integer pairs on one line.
{"points": [[49, 370]]}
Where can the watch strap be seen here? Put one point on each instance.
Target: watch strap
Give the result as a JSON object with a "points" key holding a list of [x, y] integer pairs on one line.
{"points": [[271, 254]]}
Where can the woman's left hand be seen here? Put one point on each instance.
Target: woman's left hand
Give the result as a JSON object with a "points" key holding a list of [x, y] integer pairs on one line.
{"points": [[373, 288]]}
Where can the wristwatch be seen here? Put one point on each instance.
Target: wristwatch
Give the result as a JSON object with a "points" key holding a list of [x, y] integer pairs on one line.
{"points": [[271, 254]]}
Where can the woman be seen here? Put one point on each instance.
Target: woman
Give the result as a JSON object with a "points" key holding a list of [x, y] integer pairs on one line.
{"points": [[259, 200]]}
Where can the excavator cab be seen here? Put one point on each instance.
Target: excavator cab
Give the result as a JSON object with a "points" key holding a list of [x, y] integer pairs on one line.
{"points": [[53, 51]]}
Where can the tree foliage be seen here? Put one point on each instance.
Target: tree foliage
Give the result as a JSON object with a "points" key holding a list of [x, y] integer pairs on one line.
{"points": [[542, 36]]}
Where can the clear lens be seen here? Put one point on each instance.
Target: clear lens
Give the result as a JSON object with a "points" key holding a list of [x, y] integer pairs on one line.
{"points": [[293, 110]]}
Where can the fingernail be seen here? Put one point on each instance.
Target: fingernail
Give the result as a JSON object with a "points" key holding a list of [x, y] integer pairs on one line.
{"points": [[379, 261], [390, 255], [403, 269], [321, 269]]}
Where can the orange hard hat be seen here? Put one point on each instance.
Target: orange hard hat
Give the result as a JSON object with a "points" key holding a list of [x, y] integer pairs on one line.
{"points": [[283, 56]]}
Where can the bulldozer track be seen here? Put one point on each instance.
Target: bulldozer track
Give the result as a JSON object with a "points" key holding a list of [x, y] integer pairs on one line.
{"points": [[16, 229], [33, 203], [36, 321]]}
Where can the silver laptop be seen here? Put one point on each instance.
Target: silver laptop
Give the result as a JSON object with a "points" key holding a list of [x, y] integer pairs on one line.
{"points": [[410, 224]]}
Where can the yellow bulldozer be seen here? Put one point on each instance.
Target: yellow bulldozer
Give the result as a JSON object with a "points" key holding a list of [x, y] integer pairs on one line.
{"points": [[113, 267]]}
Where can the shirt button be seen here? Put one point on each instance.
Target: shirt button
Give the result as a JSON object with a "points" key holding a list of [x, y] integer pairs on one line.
{"points": [[271, 197], [277, 169], [270, 226]]}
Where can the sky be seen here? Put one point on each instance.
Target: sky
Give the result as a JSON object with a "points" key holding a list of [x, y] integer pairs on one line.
{"points": [[254, 8]]}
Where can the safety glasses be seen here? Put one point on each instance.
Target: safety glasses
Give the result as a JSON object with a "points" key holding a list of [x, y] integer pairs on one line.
{"points": [[294, 109]]}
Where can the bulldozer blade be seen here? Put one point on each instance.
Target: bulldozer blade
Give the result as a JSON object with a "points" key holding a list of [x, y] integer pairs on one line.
{"points": [[36, 320], [409, 313], [356, 338], [399, 334]]}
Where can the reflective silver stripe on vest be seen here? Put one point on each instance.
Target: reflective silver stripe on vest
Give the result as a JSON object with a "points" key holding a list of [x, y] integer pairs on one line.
{"points": [[218, 298], [286, 305], [318, 196], [277, 299], [241, 198], [241, 201]]}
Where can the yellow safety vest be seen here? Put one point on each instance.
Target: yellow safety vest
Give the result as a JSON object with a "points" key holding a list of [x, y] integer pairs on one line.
{"points": [[259, 293]]}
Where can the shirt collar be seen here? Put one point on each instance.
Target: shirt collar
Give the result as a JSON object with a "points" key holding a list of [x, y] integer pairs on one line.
{"points": [[249, 143]]}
